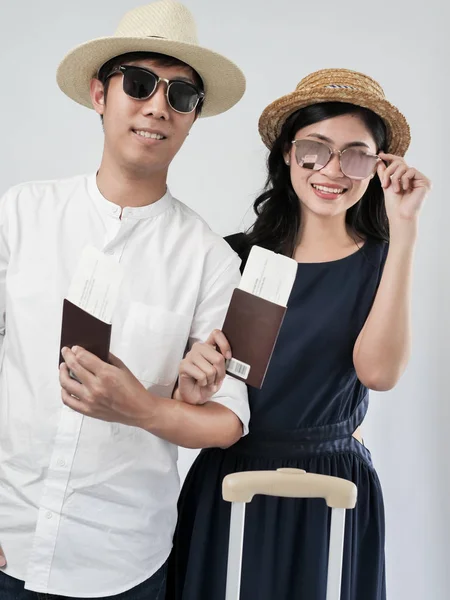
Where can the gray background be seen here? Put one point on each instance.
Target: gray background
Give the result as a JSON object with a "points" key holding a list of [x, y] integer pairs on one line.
{"points": [[221, 168]]}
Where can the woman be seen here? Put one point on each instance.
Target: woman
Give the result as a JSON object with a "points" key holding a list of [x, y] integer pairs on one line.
{"points": [[341, 200]]}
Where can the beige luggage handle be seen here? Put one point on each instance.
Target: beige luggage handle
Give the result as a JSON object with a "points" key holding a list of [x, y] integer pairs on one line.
{"points": [[289, 483]]}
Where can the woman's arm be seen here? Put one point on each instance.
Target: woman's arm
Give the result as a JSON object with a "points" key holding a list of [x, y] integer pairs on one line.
{"points": [[382, 349]]}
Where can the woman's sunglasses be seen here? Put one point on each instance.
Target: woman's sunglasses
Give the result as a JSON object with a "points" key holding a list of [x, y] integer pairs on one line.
{"points": [[356, 163], [139, 83]]}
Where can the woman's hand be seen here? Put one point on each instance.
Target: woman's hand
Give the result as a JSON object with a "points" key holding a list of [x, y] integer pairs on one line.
{"points": [[405, 190], [203, 370]]}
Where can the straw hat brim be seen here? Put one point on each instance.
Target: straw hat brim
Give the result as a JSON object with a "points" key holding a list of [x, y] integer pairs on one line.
{"points": [[223, 80], [274, 116]]}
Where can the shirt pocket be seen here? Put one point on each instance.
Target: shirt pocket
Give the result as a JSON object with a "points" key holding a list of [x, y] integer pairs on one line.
{"points": [[153, 343]]}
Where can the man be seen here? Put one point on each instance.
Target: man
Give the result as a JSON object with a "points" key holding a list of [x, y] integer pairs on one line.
{"points": [[88, 485]]}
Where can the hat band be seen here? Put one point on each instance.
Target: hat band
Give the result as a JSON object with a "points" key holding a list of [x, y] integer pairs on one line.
{"points": [[339, 86]]}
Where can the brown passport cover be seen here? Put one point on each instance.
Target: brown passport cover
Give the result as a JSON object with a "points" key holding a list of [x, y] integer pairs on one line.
{"points": [[251, 326], [80, 328]]}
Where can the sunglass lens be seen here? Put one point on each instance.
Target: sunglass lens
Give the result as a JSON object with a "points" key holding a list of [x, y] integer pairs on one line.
{"points": [[138, 84], [357, 164], [312, 155], [183, 97]]}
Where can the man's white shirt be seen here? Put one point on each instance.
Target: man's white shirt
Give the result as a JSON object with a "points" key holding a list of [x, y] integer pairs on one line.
{"points": [[88, 508]]}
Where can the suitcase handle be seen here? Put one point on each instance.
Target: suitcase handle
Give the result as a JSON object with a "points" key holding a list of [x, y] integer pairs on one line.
{"points": [[289, 483]]}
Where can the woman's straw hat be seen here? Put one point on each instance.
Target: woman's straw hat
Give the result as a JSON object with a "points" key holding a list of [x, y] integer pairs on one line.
{"points": [[337, 85]]}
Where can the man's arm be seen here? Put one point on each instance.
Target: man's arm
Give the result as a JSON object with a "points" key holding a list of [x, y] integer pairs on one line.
{"points": [[4, 259], [110, 392]]}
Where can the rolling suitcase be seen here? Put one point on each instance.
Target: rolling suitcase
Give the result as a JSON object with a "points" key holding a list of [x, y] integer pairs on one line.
{"points": [[239, 489]]}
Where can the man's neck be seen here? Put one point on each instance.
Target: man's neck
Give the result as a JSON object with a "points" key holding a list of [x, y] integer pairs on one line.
{"points": [[127, 189]]}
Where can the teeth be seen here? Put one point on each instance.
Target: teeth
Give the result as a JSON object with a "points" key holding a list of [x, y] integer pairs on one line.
{"points": [[328, 190], [153, 136]]}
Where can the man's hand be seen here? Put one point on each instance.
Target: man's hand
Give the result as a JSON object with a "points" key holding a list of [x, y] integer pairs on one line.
{"points": [[109, 392], [2, 559]]}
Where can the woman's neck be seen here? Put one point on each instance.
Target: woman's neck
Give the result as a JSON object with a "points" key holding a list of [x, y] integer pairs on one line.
{"points": [[325, 239]]}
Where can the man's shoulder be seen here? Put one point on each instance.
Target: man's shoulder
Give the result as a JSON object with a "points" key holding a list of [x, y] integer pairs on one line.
{"points": [[189, 215], [209, 240], [40, 188]]}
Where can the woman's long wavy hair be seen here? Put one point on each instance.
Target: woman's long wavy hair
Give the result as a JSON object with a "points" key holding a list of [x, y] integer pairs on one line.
{"points": [[278, 208]]}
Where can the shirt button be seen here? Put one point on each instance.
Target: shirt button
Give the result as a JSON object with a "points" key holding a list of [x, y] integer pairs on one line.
{"points": [[48, 514], [61, 462]]}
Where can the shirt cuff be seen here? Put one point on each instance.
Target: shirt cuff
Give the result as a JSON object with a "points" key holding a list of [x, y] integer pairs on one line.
{"points": [[233, 395]]}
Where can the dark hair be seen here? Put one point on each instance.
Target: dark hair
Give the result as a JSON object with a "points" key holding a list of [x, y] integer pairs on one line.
{"points": [[278, 209], [161, 59]]}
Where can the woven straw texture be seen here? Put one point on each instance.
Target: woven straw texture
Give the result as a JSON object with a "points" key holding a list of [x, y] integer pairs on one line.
{"points": [[166, 27], [337, 85]]}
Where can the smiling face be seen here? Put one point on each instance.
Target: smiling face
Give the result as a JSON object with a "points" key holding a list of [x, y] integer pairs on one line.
{"points": [[328, 192], [142, 136]]}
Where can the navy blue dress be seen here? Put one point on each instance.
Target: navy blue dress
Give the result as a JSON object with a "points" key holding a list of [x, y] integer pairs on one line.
{"points": [[304, 417]]}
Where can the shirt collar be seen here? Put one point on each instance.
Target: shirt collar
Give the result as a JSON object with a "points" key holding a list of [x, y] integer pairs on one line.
{"points": [[132, 212]]}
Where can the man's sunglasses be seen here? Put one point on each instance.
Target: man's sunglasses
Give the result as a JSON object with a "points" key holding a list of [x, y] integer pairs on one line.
{"points": [[356, 163], [139, 83]]}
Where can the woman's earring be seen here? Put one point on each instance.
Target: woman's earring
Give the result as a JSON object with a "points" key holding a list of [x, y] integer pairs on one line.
{"points": [[287, 161]]}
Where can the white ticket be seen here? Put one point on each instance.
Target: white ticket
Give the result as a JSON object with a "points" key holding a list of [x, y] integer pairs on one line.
{"points": [[96, 284], [269, 275]]}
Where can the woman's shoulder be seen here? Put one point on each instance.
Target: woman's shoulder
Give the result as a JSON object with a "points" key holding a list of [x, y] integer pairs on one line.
{"points": [[375, 252], [376, 249]]}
